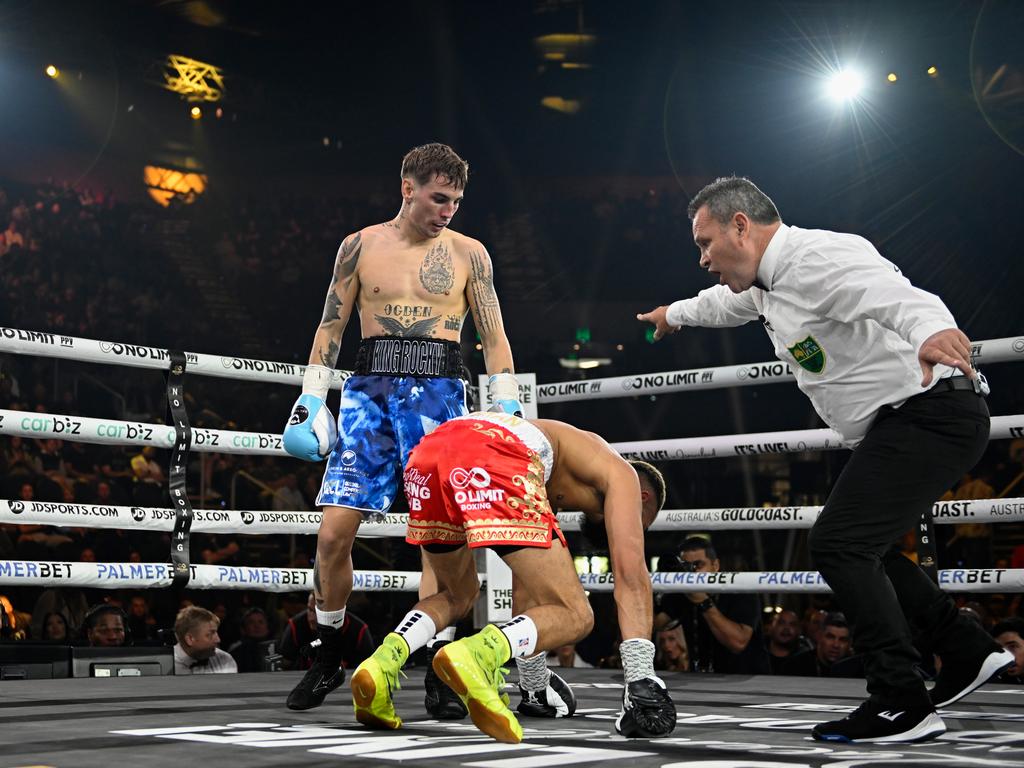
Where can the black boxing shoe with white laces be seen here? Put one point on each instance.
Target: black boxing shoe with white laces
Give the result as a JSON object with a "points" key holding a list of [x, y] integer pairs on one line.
{"points": [[556, 700], [878, 723], [648, 711]]}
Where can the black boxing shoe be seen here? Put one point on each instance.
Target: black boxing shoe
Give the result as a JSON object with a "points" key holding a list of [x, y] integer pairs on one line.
{"points": [[877, 723], [314, 686], [957, 679], [648, 712], [440, 701], [557, 700]]}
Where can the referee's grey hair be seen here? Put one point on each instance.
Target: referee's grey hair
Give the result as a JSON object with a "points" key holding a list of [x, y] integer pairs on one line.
{"points": [[729, 195]]}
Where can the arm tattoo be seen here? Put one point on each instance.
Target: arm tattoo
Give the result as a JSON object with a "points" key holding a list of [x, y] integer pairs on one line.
{"points": [[437, 274], [487, 314], [344, 268], [394, 327], [330, 357]]}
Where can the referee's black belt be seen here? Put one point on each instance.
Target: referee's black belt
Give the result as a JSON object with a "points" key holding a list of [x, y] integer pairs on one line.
{"points": [[957, 382]]}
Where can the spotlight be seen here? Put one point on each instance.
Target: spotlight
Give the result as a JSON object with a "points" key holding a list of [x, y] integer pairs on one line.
{"points": [[219, 113], [932, 71], [892, 77], [196, 113], [845, 85], [52, 71]]}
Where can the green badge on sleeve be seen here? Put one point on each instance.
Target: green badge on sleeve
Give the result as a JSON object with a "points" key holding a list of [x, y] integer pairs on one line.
{"points": [[809, 355]]}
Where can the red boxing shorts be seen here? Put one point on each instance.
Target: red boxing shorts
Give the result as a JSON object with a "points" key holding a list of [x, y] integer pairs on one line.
{"points": [[475, 480]]}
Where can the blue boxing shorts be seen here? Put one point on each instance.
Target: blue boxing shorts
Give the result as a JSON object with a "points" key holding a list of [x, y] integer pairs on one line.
{"points": [[383, 416]]}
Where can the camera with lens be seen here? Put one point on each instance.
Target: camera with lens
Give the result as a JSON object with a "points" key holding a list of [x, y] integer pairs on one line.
{"points": [[675, 563]]}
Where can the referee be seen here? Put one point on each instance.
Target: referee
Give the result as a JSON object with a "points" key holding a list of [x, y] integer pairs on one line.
{"points": [[885, 366]]}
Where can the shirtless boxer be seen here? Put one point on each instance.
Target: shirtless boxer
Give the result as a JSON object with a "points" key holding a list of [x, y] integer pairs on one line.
{"points": [[413, 280], [485, 480]]}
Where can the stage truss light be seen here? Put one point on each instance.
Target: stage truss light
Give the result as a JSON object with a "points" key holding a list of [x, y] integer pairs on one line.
{"points": [[191, 79]]}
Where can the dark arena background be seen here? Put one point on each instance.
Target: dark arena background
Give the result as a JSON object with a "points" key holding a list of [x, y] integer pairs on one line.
{"points": [[176, 177]]}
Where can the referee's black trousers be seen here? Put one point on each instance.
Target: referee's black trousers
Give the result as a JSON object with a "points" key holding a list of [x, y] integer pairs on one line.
{"points": [[908, 459]]}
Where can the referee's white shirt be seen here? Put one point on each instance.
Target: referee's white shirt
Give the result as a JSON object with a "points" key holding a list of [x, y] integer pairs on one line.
{"points": [[220, 662], [854, 305]]}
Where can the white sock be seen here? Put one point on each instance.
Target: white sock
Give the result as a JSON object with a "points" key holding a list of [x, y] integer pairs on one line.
{"points": [[522, 636], [534, 674], [637, 657], [330, 618], [416, 629], [446, 635]]}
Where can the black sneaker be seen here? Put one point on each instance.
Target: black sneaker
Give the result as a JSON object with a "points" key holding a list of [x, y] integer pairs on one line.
{"points": [[648, 711], [557, 700], [314, 686], [440, 701], [956, 679], [875, 722]]}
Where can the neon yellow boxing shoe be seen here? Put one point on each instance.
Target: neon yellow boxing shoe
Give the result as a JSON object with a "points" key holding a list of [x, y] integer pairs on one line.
{"points": [[472, 668], [374, 681]]}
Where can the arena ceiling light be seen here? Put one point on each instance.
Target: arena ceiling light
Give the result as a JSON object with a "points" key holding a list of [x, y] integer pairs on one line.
{"points": [[584, 363], [845, 85]]}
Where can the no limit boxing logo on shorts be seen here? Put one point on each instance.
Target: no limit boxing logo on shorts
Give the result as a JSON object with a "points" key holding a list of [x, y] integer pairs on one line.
{"points": [[477, 477]]}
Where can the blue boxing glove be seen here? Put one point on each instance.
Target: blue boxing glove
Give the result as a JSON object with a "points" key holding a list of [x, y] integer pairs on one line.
{"points": [[311, 432], [503, 393]]}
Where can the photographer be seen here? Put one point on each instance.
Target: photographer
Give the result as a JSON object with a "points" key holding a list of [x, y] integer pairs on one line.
{"points": [[723, 633]]}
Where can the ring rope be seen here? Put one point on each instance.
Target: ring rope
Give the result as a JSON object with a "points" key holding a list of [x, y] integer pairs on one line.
{"points": [[42, 426], [756, 443], [159, 575], [83, 429], [61, 514], [47, 344], [43, 344], [1003, 350]]}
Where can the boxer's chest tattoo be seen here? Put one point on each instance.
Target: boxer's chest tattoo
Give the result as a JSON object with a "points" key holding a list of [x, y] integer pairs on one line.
{"points": [[437, 273]]}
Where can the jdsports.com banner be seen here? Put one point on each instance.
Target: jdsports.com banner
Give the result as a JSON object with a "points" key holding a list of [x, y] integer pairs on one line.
{"points": [[394, 525]]}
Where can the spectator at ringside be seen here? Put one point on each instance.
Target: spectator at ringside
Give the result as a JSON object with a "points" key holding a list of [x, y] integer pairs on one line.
{"points": [[814, 620], [196, 651], [250, 651], [56, 629], [723, 633], [783, 639], [69, 602], [104, 627], [300, 633], [1009, 633], [141, 624], [832, 657], [672, 654], [287, 497]]}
